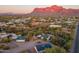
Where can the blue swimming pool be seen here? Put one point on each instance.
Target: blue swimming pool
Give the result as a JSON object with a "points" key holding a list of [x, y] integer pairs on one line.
{"points": [[41, 47], [20, 38]]}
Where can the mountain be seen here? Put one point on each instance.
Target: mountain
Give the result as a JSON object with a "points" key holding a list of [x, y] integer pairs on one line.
{"points": [[54, 11], [48, 11], [11, 14]]}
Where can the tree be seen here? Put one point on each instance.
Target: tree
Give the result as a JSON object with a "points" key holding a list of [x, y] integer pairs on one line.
{"points": [[3, 47], [6, 47], [6, 40], [55, 49], [68, 45]]}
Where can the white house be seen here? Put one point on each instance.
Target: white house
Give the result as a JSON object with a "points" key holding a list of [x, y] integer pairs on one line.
{"points": [[55, 26]]}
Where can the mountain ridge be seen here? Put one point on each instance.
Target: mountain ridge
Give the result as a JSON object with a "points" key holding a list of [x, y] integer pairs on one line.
{"points": [[54, 10]]}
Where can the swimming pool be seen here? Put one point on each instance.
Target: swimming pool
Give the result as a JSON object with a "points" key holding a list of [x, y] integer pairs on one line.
{"points": [[41, 47]]}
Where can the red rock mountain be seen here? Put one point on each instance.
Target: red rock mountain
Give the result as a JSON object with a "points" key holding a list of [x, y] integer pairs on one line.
{"points": [[49, 9], [55, 10]]}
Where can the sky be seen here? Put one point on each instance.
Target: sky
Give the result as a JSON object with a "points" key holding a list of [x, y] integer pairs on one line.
{"points": [[27, 8]]}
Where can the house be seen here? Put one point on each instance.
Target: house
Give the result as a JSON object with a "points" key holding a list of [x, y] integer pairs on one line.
{"points": [[55, 26], [12, 35], [44, 36], [17, 38], [34, 23], [3, 35], [10, 23], [3, 24]]}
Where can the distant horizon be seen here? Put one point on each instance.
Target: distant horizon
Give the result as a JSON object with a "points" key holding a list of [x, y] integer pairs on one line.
{"points": [[24, 9]]}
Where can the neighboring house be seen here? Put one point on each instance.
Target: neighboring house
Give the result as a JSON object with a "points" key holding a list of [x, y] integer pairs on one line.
{"points": [[2, 24], [55, 26], [3, 35], [17, 38], [12, 35], [9, 35], [44, 36], [10, 23]]}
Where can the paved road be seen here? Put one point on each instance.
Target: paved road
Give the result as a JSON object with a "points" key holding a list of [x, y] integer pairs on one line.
{"points": [[75, 47], [20, 48]]}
